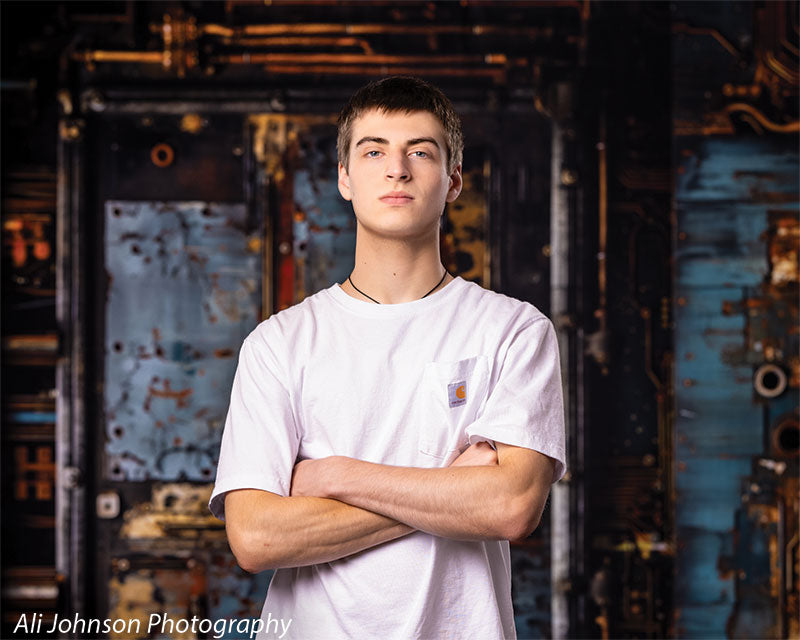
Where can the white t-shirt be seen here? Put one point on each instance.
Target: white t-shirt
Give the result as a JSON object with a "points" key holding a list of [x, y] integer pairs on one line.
{"points": [[408, 384]]}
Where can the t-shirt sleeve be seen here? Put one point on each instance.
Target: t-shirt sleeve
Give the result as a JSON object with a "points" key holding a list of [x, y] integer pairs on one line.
{"points": [[259, 440], [526, 408]]}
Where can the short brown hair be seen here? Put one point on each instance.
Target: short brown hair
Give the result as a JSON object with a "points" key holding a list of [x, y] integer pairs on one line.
{"points": [[401, 93]]}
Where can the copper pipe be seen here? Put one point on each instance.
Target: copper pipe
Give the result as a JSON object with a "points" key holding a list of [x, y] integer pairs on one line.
{"points": [[299, 41], [791, 127], [603, 220], [312, 28], [780, 69], [497, 75], [348, 58], [151, 57], [685, 28]]}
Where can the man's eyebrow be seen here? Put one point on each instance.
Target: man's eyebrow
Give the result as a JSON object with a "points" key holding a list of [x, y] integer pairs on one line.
{"points": [[366, 139], [411, 142], [414, 141]]}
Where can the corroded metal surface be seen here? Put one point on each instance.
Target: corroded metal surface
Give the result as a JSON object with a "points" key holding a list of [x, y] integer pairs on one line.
{"points": [[736, 311], [465, 250], [324, 225], [176, 510], [183, 293]]}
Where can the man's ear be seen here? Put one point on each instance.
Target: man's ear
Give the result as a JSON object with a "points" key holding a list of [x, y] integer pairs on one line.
{"points": [[344, 183], [456, 183]]}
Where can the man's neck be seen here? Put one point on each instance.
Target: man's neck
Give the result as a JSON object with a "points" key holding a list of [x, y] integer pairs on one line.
{"points": [[393, 272]]}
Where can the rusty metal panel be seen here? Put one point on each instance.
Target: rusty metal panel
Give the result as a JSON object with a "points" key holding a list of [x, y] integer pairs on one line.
{"points": [[324, 225], [184, 291], [172, 559], [730, 320]]}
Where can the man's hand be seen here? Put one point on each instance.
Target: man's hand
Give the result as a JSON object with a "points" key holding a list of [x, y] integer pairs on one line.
{"points": [[311, 477]]}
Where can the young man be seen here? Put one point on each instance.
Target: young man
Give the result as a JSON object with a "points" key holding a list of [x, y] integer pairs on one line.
{"points": [[386, 437]]}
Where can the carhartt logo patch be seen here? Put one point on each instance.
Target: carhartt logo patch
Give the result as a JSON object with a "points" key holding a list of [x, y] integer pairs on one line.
{"points": [[457, 393]]}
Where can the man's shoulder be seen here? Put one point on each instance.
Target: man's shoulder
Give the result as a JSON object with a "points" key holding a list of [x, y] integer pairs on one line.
{"points": [[282, 324], [500, 307]]}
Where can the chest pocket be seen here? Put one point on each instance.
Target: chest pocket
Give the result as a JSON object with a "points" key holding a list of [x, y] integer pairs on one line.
{"points": [[452, 395]]}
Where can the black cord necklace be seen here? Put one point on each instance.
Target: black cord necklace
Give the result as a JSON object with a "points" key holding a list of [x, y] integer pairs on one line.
{"points": [[376, 302]]}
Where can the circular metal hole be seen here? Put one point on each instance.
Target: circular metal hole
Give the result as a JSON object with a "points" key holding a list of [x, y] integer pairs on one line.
{"points": [[769, 381], [786, 438], [162, 155]]}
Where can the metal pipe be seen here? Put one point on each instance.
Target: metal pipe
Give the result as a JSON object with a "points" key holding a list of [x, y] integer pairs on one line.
{"points": [[299, 41], [146, 57], [559, 307], [349, 58], [70, 372], [374, 29], [496, 75], [789, 127]]}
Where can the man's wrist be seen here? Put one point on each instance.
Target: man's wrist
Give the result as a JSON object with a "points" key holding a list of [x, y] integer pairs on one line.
{"points": [[339, 469]]}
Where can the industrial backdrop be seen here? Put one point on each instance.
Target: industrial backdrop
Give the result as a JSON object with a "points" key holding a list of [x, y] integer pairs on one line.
{"points": [[168, 181]]}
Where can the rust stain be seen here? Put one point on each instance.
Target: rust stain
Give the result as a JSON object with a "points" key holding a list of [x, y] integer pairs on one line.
{"points": [[179, 395], [783, 241], [175, 510]]}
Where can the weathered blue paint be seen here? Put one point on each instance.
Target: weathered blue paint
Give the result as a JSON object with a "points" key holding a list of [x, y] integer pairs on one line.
{"points": [[722, 248], [735, 170], [234, 594], [724, 192], [184, 291], [325, 227]]}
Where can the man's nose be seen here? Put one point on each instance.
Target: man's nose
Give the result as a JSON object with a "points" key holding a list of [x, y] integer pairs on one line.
{"points": [[397, 167]]}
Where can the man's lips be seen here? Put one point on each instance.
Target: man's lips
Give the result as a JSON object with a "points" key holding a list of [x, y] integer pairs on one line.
{"points": [[396, 197]]}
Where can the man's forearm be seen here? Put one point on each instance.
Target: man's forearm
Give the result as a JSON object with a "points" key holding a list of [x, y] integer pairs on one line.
{"points": [[466, 503], [503, 501], [274, 532]]}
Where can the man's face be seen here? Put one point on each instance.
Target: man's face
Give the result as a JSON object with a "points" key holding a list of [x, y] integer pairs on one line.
{"points": [[397, 179]]}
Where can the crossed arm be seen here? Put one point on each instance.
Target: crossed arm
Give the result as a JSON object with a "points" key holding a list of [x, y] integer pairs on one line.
{"points": [[339, 506]]}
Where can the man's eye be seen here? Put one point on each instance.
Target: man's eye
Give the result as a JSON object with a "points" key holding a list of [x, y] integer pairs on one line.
{"points": [[369, 154], [420, 154]]}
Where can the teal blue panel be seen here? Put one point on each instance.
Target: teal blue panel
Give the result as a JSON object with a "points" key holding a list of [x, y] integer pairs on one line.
{"points": [[725, 189], [699, 585], [737, 170], [722, 244], [706, 496], [184, 291]]}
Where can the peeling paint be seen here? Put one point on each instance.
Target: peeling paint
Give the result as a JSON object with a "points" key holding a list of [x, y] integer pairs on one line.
{"points": [[174, 324]]}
